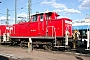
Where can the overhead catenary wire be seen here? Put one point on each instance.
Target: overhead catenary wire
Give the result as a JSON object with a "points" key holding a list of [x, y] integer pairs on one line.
{"points": [[20, 8], [2, 14], [3, 1]]}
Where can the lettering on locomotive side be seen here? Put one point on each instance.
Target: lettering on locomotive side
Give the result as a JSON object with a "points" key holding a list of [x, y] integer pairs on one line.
{"points": [[7, 28], [11, 28], [33, 30], [68, 22]]}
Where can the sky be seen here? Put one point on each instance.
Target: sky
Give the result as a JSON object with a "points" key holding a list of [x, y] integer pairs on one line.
{"points": [[73, 9]]}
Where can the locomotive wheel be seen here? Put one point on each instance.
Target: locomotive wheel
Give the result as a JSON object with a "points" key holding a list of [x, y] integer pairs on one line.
{"points": [[59, 42], [48, 47], [21, 45], [12, 43]]}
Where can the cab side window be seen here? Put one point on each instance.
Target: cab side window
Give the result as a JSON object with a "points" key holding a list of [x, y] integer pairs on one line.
{"points": [[34, 18], [41, 17], [47, 16]]}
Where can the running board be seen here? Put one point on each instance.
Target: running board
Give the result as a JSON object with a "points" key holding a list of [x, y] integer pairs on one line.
{"points": [[61, 46], [5, 42]]}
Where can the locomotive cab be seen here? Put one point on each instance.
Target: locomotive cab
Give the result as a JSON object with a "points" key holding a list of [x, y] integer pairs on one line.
{"points": [[42, 16]]}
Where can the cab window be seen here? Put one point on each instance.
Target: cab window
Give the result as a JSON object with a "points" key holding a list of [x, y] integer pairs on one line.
{"points": [[34, 18], [41, 17], [48, 16]]}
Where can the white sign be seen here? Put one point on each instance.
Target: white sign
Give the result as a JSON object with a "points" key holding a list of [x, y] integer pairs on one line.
{"points": [[11, 28], [7, 28], [68, 22]]}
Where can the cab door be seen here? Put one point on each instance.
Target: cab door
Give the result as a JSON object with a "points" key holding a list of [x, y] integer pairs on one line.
{"points": [[41, 26]]}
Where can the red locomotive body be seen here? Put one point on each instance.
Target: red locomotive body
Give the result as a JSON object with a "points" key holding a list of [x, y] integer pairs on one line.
{"points": [[43, 26], [4, 32], [45, 30], [2, 29]]}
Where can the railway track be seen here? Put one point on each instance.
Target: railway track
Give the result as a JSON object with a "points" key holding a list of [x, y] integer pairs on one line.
{"points": [[79, 52], [12, 56], [70, 52]]}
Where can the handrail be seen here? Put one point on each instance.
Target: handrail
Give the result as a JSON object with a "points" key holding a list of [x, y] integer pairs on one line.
{"points": [[55, 36], [53, 31]]}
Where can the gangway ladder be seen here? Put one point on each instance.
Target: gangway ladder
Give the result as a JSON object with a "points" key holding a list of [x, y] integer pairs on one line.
{"points": [[55, 39], [53, 35], [66, 40]]}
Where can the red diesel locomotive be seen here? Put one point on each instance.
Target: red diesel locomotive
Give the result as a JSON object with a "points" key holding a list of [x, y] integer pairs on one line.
{"points": [[2, 30], [44, 29]]}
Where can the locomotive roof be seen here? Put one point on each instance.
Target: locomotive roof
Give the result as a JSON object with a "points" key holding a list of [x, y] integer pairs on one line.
{"points": [[3, 24], [44, 13]]}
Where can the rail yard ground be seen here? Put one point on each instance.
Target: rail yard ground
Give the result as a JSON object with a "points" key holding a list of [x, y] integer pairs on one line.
{"points": [[18, 53]]}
